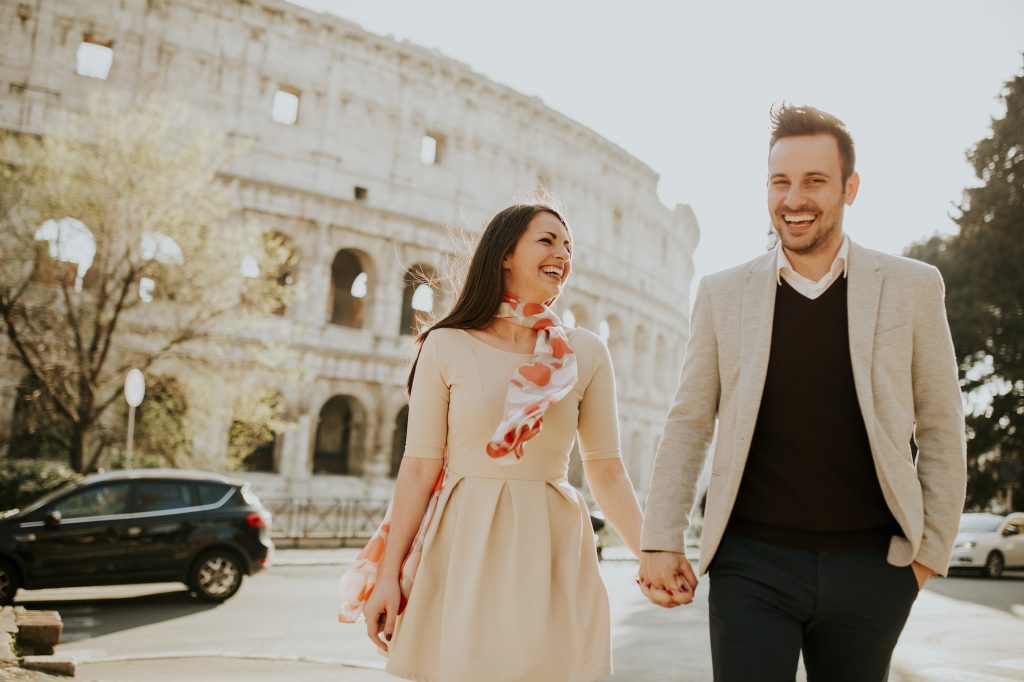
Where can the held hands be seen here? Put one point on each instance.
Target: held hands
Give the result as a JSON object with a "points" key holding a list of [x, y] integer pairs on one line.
{"points": [[381, 611], [666, 578]]}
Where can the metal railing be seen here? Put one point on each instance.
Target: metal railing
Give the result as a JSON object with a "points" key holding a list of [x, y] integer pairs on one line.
{"points": [[344, 520]]}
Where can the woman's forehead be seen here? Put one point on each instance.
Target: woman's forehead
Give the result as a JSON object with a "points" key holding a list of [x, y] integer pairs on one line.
{"points": [[546, 222]]}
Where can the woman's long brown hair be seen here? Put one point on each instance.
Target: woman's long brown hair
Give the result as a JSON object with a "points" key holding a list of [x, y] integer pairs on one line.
{"points": [[481, 293]]}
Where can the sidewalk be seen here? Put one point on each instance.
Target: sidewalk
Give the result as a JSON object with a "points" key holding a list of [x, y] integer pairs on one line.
{"points": [[946, 640]]}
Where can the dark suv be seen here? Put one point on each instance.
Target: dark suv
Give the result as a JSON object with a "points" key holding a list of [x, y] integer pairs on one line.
{"points": [[138, 526]]}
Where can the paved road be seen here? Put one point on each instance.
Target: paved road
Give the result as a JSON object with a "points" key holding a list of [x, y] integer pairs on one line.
{"points": [[281, 626]]}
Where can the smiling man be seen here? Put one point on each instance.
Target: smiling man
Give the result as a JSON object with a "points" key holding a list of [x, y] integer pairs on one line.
{"points": [[823, 363]]}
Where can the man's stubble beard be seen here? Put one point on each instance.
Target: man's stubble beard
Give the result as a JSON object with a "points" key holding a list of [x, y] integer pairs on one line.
{"points": [[820, 238]]}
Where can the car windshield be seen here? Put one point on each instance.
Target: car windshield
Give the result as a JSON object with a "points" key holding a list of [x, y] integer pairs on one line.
{"points": [[980, 522], [47, 498]]}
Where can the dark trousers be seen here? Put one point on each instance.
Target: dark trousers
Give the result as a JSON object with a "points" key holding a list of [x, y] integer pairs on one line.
{"points": [[843, 609]]}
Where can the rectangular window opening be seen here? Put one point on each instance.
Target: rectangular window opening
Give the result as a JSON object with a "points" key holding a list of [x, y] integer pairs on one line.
{"points": [[431, 148], [286, 106], [94, 57], [360, 193]]}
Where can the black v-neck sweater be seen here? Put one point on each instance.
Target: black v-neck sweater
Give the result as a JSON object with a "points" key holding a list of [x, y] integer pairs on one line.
{"points": [[810, 480]]}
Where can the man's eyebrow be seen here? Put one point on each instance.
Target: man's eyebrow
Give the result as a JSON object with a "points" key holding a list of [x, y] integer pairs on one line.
{"points": [[815, 172]]}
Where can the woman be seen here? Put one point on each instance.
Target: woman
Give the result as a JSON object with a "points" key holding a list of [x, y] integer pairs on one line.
{"points": [[508, 586]]}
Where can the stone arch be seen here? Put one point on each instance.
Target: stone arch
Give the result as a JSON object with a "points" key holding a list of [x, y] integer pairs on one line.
{"points": [[665, 364], [420, 297], [255, 432], [351, 289], [641, 355], [398, 439], [579, 315], [340, 437], [161, 424], [612, 331], [635, 459], [271, 273]]}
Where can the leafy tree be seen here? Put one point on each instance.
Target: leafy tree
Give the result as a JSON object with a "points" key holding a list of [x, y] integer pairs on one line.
{"points": [[119, 247], [983, 266]]}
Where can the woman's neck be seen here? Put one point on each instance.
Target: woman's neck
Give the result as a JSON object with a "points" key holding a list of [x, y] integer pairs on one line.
{"points": [[511, 333]]}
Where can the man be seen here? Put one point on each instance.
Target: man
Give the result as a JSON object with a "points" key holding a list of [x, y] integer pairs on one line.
{"points": [[823, 363]]}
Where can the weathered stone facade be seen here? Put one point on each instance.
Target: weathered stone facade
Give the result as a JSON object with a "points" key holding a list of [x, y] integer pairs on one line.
{"points": [[346, 183]]}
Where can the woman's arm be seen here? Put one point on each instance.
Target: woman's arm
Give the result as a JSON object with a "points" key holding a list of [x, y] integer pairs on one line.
{"points": [[614, 494], [421, 465], [416, 479]]}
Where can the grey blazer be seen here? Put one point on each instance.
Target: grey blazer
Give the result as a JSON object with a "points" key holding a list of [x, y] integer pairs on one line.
{"points": [[905, 373]]}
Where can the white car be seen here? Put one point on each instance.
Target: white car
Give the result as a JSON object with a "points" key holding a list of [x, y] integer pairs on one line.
{"points": [[988, 543]]}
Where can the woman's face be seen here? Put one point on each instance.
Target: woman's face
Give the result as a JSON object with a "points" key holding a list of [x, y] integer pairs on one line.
{"points": [[539, 265]]}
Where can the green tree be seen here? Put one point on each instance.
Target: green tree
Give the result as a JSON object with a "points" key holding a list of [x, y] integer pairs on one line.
{"points": [[119, 247], [983, 266]]}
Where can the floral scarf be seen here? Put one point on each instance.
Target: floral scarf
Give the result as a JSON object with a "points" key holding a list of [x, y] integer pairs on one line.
{"points": [[549, 376]]}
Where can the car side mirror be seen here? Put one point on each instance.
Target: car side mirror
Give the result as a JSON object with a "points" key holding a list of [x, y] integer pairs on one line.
{"points": [[52, 518]]}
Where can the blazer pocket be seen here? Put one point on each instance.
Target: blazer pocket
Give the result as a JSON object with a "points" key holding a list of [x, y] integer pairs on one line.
{"points": [[892, 335]]}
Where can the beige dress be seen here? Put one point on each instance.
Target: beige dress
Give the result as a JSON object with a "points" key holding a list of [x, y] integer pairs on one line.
{"points": [[508, 588]]}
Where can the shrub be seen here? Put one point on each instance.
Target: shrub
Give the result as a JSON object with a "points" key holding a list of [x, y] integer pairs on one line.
{"points": [[24, 480]]}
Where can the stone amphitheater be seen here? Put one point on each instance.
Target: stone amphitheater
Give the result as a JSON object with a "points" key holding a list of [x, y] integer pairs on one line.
{"points": [[366, 155]]}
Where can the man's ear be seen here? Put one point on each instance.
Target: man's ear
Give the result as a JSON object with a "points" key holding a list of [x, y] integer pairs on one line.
{"points": [[852, 185]]}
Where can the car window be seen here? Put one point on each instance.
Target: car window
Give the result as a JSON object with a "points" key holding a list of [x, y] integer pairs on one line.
{"points": [[96, 500], [151, 496], [1019, 525], [211, 493]]}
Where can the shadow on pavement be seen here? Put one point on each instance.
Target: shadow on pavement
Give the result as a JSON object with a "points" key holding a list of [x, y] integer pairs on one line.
{"points": [[1002, 593], [86, 617]]}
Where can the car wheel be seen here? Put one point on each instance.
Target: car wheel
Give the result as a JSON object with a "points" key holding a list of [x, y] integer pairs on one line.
{"points": [[993, 565], [9, 583], [216, 575]]}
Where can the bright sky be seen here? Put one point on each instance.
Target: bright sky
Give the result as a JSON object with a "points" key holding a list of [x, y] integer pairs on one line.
{"points": [[686, 87]]}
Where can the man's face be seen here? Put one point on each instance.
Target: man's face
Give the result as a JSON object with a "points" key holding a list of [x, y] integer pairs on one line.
{"points": [[806, 192]]}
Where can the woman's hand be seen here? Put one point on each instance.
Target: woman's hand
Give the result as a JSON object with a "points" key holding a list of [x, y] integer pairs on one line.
{"points": [[381, 611]]}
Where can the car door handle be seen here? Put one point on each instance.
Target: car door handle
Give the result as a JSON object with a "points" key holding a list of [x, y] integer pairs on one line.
{"points": [[133, 531], [26, 537]]}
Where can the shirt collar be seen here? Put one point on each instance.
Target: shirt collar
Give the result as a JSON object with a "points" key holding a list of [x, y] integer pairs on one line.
{"points": [[838, 265]]}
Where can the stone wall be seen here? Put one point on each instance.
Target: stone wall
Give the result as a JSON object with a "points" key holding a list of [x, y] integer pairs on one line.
{"points": [[348, 176]]}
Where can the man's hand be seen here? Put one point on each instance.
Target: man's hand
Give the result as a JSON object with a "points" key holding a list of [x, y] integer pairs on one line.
{"points": [[922, 573], [666, 578]]}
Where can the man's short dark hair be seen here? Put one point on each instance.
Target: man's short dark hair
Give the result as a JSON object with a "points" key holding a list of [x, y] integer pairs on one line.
{"points": [[792, 121]]}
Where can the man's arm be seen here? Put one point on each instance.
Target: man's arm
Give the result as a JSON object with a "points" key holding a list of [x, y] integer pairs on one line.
{"points": [[938, 411], [689, 428]]}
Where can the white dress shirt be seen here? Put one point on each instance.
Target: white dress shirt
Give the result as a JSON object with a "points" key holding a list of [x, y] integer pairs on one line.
{"points": [[805, 287]]}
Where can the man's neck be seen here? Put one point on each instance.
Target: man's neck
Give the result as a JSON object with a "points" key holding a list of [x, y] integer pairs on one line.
{"points": [[816, 264]]}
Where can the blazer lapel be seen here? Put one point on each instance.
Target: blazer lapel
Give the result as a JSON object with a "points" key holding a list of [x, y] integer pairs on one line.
{"points": [[863, 293], [758, 313]]}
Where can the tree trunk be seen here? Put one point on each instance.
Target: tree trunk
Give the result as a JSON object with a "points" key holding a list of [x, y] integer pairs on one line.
{"points": [[79, 445]]}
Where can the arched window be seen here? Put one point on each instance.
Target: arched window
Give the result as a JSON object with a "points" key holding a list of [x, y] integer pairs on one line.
{"points": [[641, 356], [580, 316], [611, 330], [71, 249], [350, 285], [339, 437], [271, 273], [398, 440], [162, 436], [665, 373], [418, 297], [254, 431]]}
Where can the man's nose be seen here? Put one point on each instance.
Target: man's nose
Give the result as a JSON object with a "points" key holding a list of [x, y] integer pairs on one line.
{"points": [[795, 196]]}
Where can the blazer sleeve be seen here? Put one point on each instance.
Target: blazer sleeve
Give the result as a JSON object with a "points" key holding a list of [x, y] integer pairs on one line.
{"points": [[427, 434], [939, 430], [689, 428]]}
